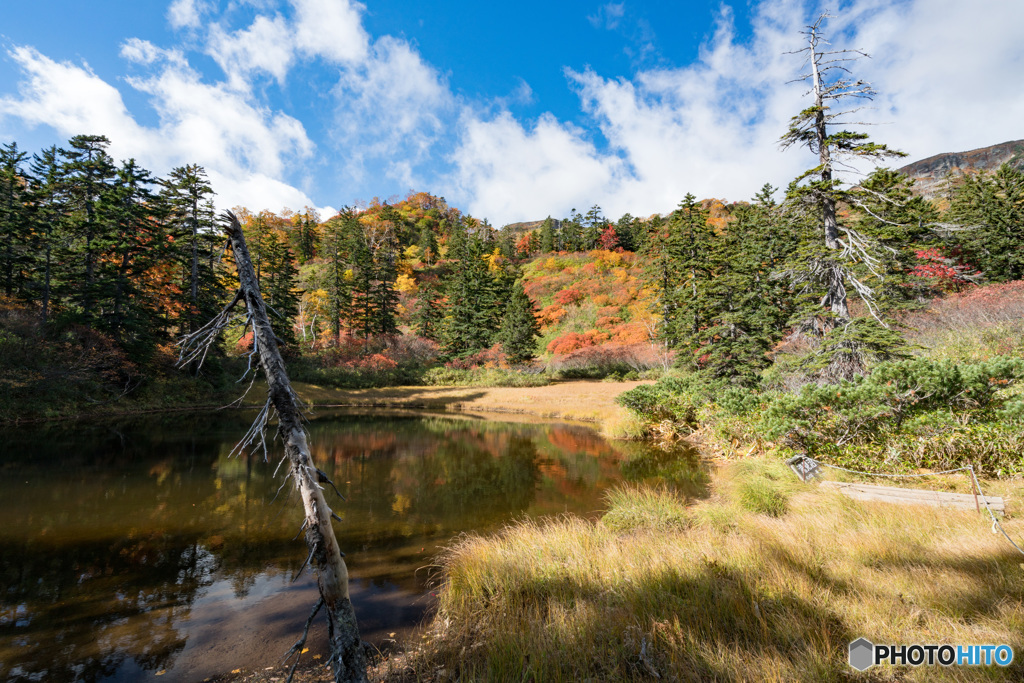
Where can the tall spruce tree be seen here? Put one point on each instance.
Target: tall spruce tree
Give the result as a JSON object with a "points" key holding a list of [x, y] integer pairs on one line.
{"points": [[187, 195], [519, 328], [747, 309], [48, 215], [88, 175], [991, 209], [128, 305], [15, 224]]}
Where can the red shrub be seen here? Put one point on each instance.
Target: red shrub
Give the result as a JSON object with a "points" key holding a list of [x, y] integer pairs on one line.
{"points": [[572, 341], [570, 295], [550, 315]]}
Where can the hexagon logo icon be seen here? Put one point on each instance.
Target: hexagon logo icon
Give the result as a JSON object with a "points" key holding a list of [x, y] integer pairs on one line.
{"points": [[862, 654]]}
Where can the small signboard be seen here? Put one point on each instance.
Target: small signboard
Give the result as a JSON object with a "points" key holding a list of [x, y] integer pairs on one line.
{"points": [[806, 468]]}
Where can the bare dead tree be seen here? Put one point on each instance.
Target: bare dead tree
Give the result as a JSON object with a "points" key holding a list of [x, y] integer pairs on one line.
{"points": [[348, 660], [831, 87]]}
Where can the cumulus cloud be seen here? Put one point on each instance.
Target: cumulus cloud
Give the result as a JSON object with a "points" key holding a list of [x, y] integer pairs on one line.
{"points": [[332, 29], [637, 143], [512, 172], [712, 127], [391, 106], [241, 144], [265, 46], [186, 13]]}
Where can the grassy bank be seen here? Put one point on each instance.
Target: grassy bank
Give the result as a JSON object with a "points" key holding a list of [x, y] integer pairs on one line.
{"points": [[580, 401], [769, 579]]}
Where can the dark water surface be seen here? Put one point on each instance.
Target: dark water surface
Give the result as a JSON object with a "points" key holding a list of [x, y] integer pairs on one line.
{"points": [[139, 549]]}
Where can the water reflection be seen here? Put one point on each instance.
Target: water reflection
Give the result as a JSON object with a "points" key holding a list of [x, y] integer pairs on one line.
{"points": [[139, 547]]}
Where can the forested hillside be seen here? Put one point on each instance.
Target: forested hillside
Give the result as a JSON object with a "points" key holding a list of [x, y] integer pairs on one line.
{"points": [[103, 267]]}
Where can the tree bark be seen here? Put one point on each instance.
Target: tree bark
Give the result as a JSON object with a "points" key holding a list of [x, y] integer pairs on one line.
{"points": [[348, 659]]}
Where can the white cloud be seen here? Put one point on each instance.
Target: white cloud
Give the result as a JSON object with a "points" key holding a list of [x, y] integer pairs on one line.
{"points": [[331, 29], [391, 107], [244, 146], [266, 45], [73, 100], [510, 173], [186, 13], [944, 71], [608, 16]]}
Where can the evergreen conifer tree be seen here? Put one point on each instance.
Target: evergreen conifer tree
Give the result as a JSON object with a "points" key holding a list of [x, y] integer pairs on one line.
{"points": [[519, 329], [15, 225], [991, 206]]}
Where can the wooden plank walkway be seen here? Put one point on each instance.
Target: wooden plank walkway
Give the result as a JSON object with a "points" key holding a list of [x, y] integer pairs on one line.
{"points": [[894, 494]]}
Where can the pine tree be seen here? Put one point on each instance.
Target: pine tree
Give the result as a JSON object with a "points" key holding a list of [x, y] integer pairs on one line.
{"points": [[127, 306], [279, 286], [305, 235], [747, 309], [519, 329], [428, 314], [887, 211], [338, 277], [595, 225], [474, 296], [681, 269]]}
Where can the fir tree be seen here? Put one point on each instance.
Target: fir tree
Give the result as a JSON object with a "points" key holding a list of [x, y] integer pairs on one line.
{"points": [[15, 226], [88, 174], [519, 329], [991, 208], [49, 213], [747, 309], [547, 236], [187, 194], [428, 314]]}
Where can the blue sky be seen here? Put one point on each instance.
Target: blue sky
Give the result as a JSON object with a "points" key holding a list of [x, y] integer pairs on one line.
{"points": [[511, 111]]}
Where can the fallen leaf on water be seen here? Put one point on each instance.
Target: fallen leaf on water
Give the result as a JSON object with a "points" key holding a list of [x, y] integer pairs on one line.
{"points": [[161, 672]]}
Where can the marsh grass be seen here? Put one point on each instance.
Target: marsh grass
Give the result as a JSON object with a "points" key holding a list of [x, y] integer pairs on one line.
{"points": [[727, 589]]}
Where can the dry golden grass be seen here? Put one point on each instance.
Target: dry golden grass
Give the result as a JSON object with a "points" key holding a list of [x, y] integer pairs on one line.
{"points": [[733, 588], [584, 401]]}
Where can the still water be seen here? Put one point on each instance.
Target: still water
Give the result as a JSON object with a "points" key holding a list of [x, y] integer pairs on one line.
{"points": [[140, 549]]}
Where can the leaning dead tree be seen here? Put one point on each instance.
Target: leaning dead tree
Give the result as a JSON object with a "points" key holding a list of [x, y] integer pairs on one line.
{"points": [[348, 660]]}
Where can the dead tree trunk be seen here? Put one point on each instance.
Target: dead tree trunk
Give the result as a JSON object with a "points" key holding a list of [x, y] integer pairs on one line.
{"points": [[348, 660]]}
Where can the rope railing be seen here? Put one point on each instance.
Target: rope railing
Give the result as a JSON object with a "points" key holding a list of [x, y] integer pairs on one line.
{"points": [[805, 465]]}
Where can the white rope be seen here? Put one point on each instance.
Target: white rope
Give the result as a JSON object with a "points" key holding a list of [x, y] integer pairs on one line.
{"points": [[969, 468]]}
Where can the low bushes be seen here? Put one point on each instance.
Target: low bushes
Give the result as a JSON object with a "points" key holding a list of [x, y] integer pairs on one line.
{"points": [[911, 413]]}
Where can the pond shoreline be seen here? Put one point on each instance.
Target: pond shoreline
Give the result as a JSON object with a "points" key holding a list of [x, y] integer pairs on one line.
{"points": [[589, 401]]}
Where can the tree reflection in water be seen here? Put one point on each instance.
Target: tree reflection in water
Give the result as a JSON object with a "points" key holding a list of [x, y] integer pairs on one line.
{"points": [[112, 535]]}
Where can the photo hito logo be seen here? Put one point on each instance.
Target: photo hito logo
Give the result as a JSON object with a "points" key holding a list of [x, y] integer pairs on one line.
{"points": [[864, 654]]}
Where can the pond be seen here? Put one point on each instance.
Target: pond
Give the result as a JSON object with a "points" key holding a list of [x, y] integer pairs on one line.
{"points": [[141, 549]]}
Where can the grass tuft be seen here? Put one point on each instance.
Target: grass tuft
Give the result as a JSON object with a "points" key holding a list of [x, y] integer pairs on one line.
{"points": [[719, 592], [644, 507]]}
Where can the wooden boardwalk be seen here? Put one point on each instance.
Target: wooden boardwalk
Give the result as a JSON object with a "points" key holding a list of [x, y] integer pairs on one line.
{"points": [[894, 494]]}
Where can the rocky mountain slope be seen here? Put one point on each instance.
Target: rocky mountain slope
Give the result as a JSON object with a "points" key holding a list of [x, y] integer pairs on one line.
{"points": [[931, 173]]}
